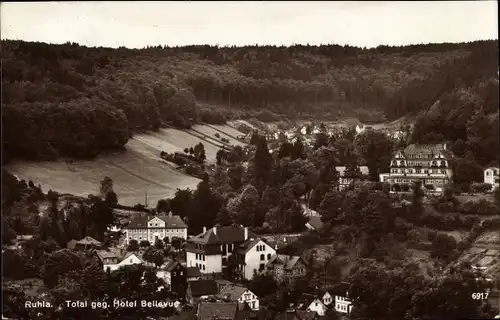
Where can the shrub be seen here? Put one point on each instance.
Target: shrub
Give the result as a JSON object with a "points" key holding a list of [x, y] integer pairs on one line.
{"points": [[405, 187], [396, 187], [477, 187]]}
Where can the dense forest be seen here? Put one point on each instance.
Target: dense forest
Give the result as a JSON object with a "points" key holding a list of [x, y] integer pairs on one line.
{"points": [[77, 101]]}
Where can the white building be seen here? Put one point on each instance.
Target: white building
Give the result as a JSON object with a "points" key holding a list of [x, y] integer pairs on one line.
{"points": [[342, 302], [210, 249], [427, 163], [253, 255], [152, 228], [327, 299], [491, 177], [317, 306], [240, 294], [114, 259]]}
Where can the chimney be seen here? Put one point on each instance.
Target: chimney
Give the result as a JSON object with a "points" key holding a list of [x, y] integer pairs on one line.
{"points": [[204, 229], [215, 230], [246, 232]]}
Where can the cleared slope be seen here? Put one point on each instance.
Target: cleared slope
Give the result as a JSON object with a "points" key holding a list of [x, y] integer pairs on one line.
{"points": [[135, 172]]}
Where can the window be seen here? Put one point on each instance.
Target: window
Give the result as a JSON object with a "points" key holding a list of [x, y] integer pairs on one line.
{"points": [[196, 256], [203, 267], [262, 257], [253, 304], [181, 273], [268, 256], [174, 273], [203, 257]]}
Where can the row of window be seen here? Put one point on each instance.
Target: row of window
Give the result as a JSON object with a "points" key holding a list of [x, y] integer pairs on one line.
{"points": [[342, 307], [200, 266], [263, 257], [200, 257], [180, 273], [419, 171], [261, 247], [420, 156], [163, 230]]}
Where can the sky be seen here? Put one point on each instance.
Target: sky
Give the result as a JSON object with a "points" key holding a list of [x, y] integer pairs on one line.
{"points": [[356, 23]]}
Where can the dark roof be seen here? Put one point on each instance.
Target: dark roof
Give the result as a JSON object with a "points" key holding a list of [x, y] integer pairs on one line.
{"points": [[89, 241], [340, 290], [228, 234], [217, 310], [232, 292], [248, 245], [140, 221], [288, 261], [203, 288], [192, 272], [316, 222], [172, 265]]}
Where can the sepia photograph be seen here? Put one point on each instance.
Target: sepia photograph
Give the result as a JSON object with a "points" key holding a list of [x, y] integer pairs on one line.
{"points": [[250, 160]]}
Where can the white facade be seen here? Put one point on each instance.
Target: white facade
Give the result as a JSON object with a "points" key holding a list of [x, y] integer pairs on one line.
{"points": [[317, 306], [491, 177], [206, 263], [342, 304], [156, 230], [256, 258], [327, 299], [128, 261], [251, 299]]}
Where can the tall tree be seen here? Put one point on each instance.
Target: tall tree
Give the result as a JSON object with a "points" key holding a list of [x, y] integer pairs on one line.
{"points": [[375, 147]]}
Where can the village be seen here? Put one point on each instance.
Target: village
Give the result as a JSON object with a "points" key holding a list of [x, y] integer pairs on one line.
{"points": [[212, 274]]}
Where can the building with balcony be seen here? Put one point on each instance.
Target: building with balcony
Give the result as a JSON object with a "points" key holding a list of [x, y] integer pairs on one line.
{"points": [[427, 163]]}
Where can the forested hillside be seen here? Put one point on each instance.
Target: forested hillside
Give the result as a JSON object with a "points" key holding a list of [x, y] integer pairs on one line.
{"points": [[78, 101]]}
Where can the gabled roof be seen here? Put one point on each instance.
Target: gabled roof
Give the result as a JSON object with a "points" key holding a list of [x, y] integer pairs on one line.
{"points": [[193, 272], [248, 245], [217, 310], [227, 234], [341, 289], [288, 261], [424, 149], [315, 222], [140, 221], [172, 265], [203, 288], [232, 292], [89, 241]]}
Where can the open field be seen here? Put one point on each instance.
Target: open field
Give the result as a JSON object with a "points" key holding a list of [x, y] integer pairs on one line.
{"points": [[210, 132], [137, 171]]}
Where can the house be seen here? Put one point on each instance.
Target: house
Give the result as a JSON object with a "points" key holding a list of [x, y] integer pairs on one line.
{"points": [[201, 289], [153, 228], [327, 298], [210, 249], [217, 310], [252, 256], [314, 223], [426, 163], [286, 268], [344, 181], [113, 259], [277, 241], [221, 283], [314, 304], [236, 293], [342, 302], [175, 276], [86, 243], [193, 273], [491, 177]]}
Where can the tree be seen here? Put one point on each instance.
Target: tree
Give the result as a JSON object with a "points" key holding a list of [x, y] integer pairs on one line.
{"points": [[180, 204], [204, 207], [297, 151], [242, 209], [199, 152], [176, 243], [321, 140], [163, 206], [106, 186], [154, 255], [144, 244], [443, 247], [375, 147], [255, 139], [133, 246], [111, 198], [262, 164], [235, 174]]}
